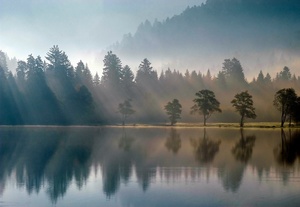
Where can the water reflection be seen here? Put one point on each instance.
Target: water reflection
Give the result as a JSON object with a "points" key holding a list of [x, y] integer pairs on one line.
{"points": [[242, 150], [125, 141], [54, 160], [232, 173], [173, 142], [232, 176], [40, 156], [288, 150], [204, 148]]}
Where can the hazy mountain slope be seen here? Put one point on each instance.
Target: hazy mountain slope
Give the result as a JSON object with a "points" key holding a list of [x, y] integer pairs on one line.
{"points": [[263, 34]]}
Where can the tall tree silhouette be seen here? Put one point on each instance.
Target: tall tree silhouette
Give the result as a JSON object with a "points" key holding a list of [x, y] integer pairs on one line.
{"points": [[173, 110], [146, 77], [127, 81], [243, 104], [233, 72], [125, 109], [205, 104], [41, 100], [9, 112], [285, 101], [111, 75]]}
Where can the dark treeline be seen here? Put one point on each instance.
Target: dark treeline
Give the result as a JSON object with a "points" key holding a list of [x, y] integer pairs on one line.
{"points": [[52, 91]]}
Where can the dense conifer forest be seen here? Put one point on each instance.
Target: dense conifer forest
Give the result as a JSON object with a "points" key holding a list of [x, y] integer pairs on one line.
{"points": [[52, 91]]}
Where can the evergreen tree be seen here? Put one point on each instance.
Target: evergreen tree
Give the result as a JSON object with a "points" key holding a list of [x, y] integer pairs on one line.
{"points": [[83, 75], [268, 80], [87, 76], [59, 63], [260, 78], [127, 79], [285, 74], [146, 76], [21, 71], [112, 71], [9, 113], [84, 107], [233, 72], [79, 70], [96, 80], [41, 101], [3, 63], [61, 78], [221, 81]]}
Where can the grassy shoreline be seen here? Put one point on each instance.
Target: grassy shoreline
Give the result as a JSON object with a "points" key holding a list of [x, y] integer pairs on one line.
{"points": [[266, 125]]}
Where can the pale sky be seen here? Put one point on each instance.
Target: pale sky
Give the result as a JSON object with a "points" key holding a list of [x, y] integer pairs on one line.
{"points": [[81, 28]]}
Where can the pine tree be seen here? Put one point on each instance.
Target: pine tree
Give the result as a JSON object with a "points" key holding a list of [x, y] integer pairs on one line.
{"points": [[111, 75]]}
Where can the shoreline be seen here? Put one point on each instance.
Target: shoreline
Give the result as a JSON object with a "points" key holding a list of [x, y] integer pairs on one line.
{"points": [[250, 125]]}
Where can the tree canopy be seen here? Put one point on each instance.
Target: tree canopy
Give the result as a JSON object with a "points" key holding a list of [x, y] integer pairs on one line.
{"points": [[285, 102], [173, 110], [205, 104], [243, 104], [125, 109]]}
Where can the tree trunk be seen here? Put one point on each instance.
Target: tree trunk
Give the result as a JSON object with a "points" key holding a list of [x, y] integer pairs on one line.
{"points": [[282, 118], [123, 120], [242, 121]]}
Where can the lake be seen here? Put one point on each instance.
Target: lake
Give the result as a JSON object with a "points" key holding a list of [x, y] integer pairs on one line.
{"points": [[150, 166]]}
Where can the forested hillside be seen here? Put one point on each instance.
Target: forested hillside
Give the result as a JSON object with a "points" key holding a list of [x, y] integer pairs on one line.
{"points": [[262, 33]]}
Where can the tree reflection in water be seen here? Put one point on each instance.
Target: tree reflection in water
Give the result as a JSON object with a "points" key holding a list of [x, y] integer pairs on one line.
{"points": [[242, 150], [232, 173], [232, 176], [70, 162], [125, 141], [46, 157], [52, 160], [288, 150], [205, 149], [173, 142], [117, 165]]}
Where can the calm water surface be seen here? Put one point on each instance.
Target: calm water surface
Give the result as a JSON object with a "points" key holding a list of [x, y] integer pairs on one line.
{"points": [[99, 166]]}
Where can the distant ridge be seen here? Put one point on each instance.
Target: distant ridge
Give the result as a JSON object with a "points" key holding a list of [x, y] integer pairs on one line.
{"points": [[263, 34]]}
